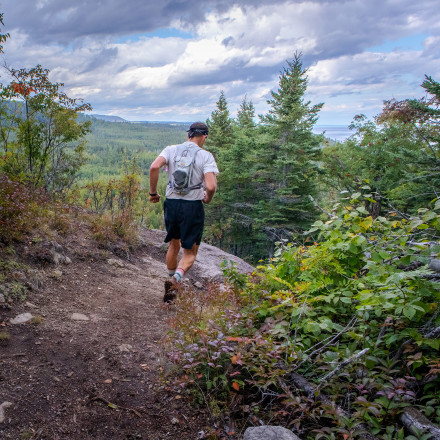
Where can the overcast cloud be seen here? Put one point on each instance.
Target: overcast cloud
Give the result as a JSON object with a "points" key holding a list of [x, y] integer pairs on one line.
{"points": [[169, 60]]}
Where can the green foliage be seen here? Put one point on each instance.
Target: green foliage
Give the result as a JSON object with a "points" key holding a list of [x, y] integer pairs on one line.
{"points": [[3, 37], [221, 128], [42, 142], [363, 286], [289, 153], [268, 171], [397, 153], [110, 143]]}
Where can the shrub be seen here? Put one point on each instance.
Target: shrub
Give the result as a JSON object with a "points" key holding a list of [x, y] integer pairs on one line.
{"points": [[19, 209], [363, 287]]}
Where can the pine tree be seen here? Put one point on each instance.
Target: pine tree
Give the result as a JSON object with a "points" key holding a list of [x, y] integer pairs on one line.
{"points": [[221, 128], [238, 191], [219, 141], [289, 154]]}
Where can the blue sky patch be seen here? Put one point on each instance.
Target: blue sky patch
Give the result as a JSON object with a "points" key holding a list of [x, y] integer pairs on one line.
{"points": [[414, 42], [161, 33]]}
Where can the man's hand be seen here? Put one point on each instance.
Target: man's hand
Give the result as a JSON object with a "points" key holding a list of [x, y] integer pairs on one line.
{"points": [[206, 199], [155, 199]]}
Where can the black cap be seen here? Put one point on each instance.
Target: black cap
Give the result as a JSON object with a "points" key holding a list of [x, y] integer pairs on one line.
{"points": [[198, 128]]}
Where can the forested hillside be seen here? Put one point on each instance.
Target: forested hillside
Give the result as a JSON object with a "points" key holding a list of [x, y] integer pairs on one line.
{"points": [[111, 144]]}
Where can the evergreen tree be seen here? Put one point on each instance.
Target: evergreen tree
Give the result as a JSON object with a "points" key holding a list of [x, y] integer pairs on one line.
{"points": [[238, 191], [221, 128], [246, 115], [219, 141], [289, 155], [398, 154]]}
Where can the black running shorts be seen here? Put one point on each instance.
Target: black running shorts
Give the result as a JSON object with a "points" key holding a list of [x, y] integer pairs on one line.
{"points": [[184, 220]]}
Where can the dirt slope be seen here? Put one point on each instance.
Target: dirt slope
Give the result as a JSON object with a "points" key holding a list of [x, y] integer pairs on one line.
{"points": [[97, 378]]}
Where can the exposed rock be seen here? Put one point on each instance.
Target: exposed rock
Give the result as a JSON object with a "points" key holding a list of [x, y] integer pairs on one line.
{"points": [[3, 406], [21, 319], [79, 317], [57, 253], [114, 262], [209, 258], [434, 265], [417, 423], [125, 348], [269, 433]]}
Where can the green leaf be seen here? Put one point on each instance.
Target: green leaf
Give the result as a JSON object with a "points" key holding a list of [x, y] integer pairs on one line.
{"points": [[423, 226], [384, 255], [409, 312], [433, 343]]}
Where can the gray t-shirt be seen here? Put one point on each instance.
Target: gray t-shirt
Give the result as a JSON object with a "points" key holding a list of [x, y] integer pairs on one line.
{"points": [[204, 162]]}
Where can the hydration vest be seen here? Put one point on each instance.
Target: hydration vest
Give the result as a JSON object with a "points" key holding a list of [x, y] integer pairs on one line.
{"points": [[180, 180]]}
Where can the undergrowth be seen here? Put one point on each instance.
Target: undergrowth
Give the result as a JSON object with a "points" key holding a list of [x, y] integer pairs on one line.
{"points": [[329, 338]]}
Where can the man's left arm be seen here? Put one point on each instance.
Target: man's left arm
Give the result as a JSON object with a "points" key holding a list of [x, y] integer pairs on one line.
{"points": [[155, 167]]}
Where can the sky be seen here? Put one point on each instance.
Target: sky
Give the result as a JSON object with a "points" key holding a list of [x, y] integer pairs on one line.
{"points": [[168, 60]]}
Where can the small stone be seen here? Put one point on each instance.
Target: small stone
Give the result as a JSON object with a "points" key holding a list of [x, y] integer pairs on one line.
{"points": [[79, 317], [2, 298], [57, 258], [269, 433], [21, 319], [174, 421], [125, 348], [114, 262], [198, 284], [3, 406], [67, 260], [57, 274], [28, 304], [108, 381]]}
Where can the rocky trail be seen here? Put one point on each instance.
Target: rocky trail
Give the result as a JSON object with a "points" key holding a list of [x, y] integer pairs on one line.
{"points": [[88, 362]]}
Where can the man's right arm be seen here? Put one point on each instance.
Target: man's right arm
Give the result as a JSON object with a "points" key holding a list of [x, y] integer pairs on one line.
{"points": [[210, 186], [155, 167]]}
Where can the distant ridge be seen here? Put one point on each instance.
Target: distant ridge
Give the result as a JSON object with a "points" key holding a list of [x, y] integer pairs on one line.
{"points": [[108, 118]]}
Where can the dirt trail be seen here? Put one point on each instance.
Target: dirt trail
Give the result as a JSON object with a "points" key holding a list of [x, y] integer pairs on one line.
{"points": [[95, 379]]}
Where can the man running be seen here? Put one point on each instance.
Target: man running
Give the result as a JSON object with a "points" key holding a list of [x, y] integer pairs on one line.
{"points": [[184, 213]]}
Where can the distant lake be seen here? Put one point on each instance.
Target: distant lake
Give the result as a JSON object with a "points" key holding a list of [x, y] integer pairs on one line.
{"points": [[335, 132]]}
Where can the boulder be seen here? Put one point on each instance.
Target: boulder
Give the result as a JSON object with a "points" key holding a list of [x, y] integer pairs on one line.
{"points": [[269, 433], [23, 318], [209, 258]]}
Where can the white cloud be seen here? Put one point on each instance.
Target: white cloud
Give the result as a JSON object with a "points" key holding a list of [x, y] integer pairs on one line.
{"points": [[238, 49]]}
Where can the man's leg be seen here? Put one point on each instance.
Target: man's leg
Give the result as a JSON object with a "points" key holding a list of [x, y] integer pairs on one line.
{"points": [[172, 255], [188, 258], [185, 264]]}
